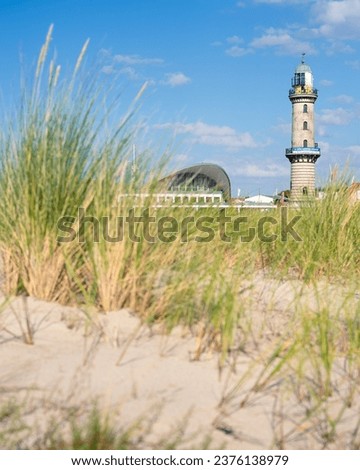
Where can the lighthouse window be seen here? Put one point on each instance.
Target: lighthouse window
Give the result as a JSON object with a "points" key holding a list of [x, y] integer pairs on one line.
{"points": [[305, 126], [305, 108], [305, 143], [299, 79]]}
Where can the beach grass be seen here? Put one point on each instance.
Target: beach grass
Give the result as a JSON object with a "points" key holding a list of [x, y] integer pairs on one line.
{"points": [[57, 165]]}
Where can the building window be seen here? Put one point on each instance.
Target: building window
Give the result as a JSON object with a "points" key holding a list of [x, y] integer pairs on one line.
{"points": [[305, 126], [305, 108], [305, 143]]}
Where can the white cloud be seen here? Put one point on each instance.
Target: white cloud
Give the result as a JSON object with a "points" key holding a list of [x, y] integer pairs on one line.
{"points": [[322, 131], [130, 72], [104, 53], [271, 170], [284, 128], [282, 41], [136, 60], [207, 134], [126, 64], [335, 21], [339, 12], [332, 117], [335, 117], [176, 79], [338, 19], [181, 157], [325, 148], [354, 64], [236, 51], [345, 99], [282, 2], [234, 40], [354, 149], [326, 82], [338, 47], [108, 69]]}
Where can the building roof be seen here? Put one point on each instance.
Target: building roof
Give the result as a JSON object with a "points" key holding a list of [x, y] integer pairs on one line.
{"points": [[302, 68], [211, 170], [259, 199]]}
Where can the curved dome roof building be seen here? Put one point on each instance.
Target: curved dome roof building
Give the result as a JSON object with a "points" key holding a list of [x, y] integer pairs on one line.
{"points": [[204, 177]]}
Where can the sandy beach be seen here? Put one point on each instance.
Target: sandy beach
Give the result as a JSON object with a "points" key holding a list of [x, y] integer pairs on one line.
{"points": [[137, 374]]}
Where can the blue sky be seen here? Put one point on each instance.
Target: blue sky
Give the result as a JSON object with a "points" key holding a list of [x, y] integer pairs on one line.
{"points": [[217, 71]]}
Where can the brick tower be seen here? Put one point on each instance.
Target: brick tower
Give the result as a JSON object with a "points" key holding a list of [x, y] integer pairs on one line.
{"points": [[304, 150]]}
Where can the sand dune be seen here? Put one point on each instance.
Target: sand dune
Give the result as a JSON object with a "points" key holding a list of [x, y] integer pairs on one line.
{"points": [[136, 372]]}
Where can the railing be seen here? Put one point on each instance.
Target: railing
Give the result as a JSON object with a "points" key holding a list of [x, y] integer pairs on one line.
{"points": [[192, 189], [292, 91], [300, 150]]}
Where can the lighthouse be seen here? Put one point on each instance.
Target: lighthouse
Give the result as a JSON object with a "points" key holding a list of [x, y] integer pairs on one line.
{"points": [[304, 151]]}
